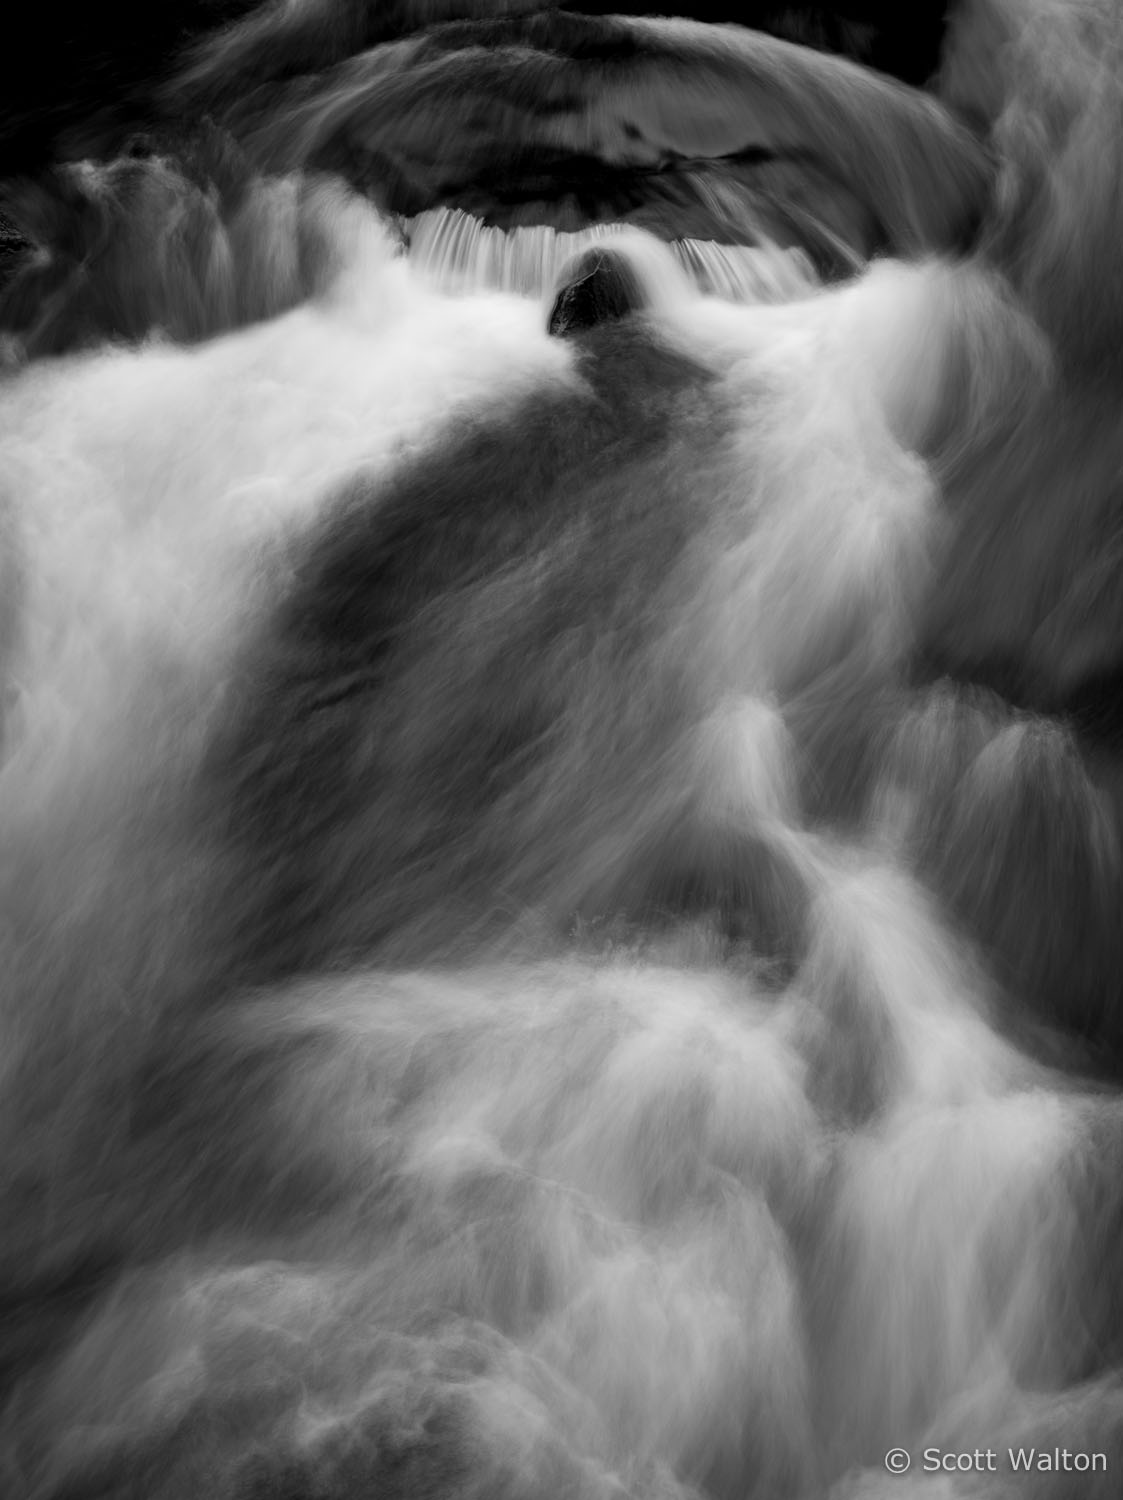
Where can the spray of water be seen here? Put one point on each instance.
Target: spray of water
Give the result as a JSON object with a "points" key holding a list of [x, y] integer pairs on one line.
{"points": [[514, 984]]}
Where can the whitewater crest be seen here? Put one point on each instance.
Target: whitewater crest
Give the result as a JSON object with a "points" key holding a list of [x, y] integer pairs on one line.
{"points": [[531, 967]]}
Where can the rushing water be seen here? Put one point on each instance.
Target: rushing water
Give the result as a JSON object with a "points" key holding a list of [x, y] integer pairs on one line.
{"points": [[462, 253], [521, 978]]}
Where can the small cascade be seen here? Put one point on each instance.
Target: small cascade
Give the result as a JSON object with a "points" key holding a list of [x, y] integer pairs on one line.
{"points": [[460, 253]]}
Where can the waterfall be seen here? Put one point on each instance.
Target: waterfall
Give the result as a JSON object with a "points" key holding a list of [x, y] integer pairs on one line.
{"points": [[559, 850], [459, 252]]}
